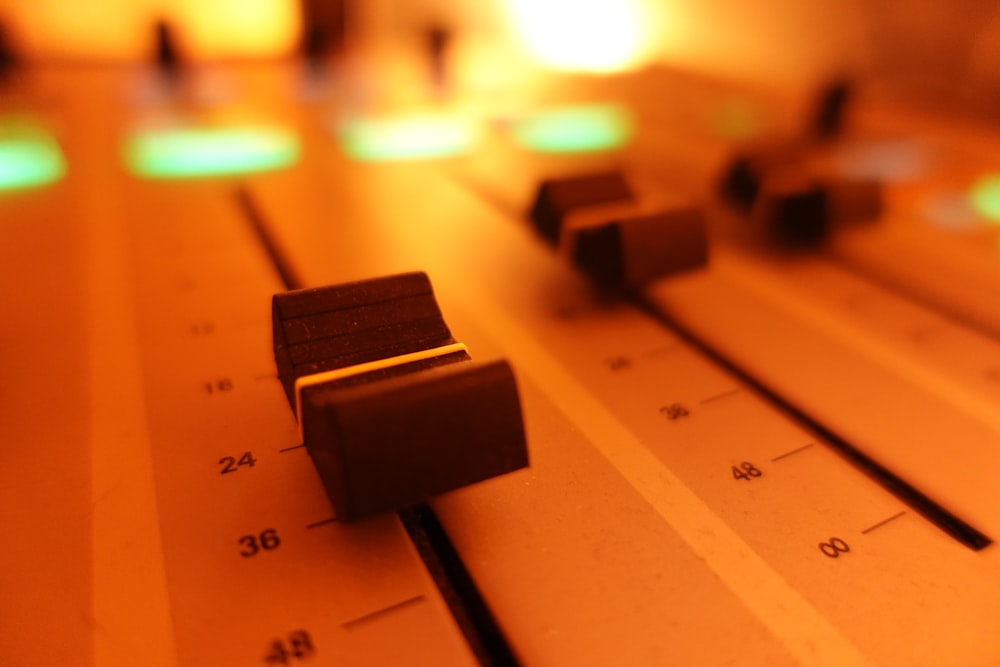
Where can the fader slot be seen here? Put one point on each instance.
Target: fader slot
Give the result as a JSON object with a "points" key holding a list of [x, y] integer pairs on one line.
{"points": [[929, 267], [869, 462], [937, 242], [431, 541], [509, 295], [759, 383], [806, 515], [237, 514], [889, 426], [950, 354]]}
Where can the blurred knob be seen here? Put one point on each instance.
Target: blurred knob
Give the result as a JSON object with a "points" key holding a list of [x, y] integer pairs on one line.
{"points": [[792, 208], [557, 198], [632, 251], [166, 52], [8, 55], [830, 110]]}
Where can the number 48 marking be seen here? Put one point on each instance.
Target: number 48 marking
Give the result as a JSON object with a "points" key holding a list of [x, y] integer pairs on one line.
{"points": [[297, 646], [746, 471]]}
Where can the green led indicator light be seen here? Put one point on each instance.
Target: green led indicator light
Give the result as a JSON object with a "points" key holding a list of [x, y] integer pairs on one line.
{"points": [[578, 129], [985, 197], [408, 138], [29, 156], [217, 151]]}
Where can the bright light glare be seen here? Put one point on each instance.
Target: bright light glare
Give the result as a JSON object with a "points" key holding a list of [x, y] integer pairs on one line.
{"points": [[589, 35], [576, 129], [210, 151], [29, 156], [405, 138]]}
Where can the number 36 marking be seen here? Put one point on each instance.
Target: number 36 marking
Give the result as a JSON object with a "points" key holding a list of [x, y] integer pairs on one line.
{"points": [[268, 540]]}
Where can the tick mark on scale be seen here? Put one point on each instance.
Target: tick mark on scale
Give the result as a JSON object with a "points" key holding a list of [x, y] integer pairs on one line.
{"points": [[794, 451], [883, 522], [288, 449], [381, 612], [717, 397], [317, 524]]}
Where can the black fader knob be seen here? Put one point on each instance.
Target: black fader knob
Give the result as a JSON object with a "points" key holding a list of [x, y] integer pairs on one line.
{"points": [[392, 409], [793, 202], [743, 175], [631, 251], [167, 53], [8, 55], [855, 199], [324, 30], [557, 198], [796, 209], [831, 104], [438, 41], [792, 208]]}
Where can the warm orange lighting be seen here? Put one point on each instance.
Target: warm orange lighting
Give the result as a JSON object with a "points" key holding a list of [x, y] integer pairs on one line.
{"points": [[223, 28], [123, 29], [590, 35], [109, 28]]}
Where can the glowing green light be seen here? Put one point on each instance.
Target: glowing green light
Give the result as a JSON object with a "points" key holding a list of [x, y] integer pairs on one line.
{"points": [[985, 197], [407, 138], [577, 129], [29, 156], [210, 151]]}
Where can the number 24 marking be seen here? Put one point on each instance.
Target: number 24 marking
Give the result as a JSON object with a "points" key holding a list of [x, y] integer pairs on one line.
{"points": [[232, 464]]}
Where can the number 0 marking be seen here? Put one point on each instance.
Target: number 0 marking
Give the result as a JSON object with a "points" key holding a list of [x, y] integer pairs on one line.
{"points": [[834, 547]]}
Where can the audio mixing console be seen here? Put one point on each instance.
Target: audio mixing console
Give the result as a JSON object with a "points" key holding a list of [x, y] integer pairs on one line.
{"points": [[777, 455]]}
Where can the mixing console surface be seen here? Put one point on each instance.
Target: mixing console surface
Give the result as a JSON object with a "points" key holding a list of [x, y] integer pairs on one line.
{"points": [[777, 456]]}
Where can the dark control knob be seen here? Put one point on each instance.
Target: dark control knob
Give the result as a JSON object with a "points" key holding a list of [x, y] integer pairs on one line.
{"points": [[793, 201], [855, 199], [830, 109], [632, 251], [392, 409], [438, 40], [617, 238], [324, 30], [166, 52], [780, 188], [8, 55], [740, 181], [744, 174], [792, 208], [796, 208], [557, 198]]}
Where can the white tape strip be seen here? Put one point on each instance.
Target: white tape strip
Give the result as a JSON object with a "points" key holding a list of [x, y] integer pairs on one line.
{"points": [[347, 371]]}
